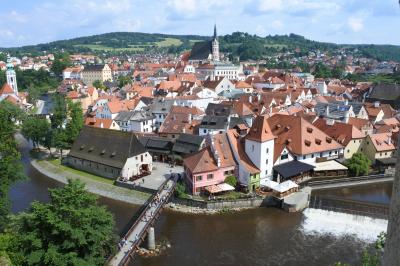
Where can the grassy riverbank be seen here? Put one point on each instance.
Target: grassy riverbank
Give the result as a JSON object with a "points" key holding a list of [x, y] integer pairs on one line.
{"points": [[95, 184], [57, 163]]}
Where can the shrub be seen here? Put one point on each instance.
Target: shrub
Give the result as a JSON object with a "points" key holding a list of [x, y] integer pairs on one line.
{"points": [[231, 180]]}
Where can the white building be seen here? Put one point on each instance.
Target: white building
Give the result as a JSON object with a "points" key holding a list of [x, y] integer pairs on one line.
{"points": [[259, 147]]}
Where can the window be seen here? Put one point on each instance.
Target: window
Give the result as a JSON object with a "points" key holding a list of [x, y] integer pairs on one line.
{"points": [[335, 152], [199, 178], [312, 155], [204, 130], [267, 150], [252, 147], [266, 161], [266, 172], [210, 176], [141, 158], [304, 157], [348, 151]]}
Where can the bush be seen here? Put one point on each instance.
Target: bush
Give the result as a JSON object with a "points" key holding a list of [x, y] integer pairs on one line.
{"points": [[358, 164], [180, 190], [231, 180]]}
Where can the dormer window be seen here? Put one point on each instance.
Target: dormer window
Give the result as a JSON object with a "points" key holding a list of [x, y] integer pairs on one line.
{"points": [[309, 130], [329, 140], [318, 141], [103, 152], [307, 142]]}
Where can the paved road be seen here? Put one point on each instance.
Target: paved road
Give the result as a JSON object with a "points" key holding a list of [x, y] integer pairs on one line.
{"points": [[139, 229]]}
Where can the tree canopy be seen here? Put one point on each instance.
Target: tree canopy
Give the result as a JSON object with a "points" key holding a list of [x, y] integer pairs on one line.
{"points": [[36, 129], [358, 164], [69, 230], [10, 165]]}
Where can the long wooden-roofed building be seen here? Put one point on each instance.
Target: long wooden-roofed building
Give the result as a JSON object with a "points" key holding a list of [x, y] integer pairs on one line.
{"points": [[109, 153]]}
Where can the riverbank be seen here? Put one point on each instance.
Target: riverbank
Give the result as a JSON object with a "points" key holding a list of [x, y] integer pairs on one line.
{"points": [[96, 187]]}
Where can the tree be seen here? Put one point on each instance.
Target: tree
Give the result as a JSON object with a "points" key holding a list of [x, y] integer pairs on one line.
{"points": [[60, 140], [231, 180], [99, 85], [358, 164], [69, 230], [60, 112], [36, 129], [322, 71], [10, 165], [75, 121], [124, 80], [61, 62]]}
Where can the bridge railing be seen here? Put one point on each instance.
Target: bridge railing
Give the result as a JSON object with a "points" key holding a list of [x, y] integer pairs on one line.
{"points": [[142, 233]]}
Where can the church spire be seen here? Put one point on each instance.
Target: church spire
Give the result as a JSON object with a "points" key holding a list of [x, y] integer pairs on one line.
{"points": [[215, 31]]}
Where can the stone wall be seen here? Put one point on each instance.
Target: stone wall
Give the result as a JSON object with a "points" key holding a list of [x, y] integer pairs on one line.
{"points": [[229, 204]]}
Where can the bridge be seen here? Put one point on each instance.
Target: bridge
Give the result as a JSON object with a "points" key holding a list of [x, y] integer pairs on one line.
{"points": [[144, 224], [359, 208], [349, 181]]}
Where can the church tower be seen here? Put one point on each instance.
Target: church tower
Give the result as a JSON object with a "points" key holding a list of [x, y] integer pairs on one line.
{"points": [[215, 45], [11, 76]]}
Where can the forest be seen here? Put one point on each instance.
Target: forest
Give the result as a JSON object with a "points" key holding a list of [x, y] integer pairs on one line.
{"points": [[237, 44]]}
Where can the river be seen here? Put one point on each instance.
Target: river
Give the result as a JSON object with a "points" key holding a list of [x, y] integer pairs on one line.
{"points": [[263, 236]]}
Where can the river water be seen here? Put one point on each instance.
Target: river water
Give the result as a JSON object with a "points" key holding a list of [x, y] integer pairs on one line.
{"points": [[263, 236]]}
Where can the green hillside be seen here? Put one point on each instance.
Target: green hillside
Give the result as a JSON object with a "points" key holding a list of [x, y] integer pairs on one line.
{"points": [[236, 44]]}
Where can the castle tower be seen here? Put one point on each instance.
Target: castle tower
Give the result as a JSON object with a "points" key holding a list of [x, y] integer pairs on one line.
{"points": [[11, 76], [215, 45]]}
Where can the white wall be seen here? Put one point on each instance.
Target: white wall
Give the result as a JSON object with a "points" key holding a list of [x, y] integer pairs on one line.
{"points": [[262, 155], [132, 165]]}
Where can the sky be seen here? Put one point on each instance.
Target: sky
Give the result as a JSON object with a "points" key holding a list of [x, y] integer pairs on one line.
{"points": [[25, 22]]}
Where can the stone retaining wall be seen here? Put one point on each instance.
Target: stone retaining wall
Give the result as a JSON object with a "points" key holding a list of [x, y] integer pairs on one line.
{"points": [[229, 204]]}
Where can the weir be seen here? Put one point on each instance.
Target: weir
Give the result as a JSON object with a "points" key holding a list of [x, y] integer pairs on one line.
{"points": [[374, 210], [317, 221]]}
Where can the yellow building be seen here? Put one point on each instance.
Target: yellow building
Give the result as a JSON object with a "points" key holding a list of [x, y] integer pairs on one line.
{"points": [[379, 146], [91, 73]]}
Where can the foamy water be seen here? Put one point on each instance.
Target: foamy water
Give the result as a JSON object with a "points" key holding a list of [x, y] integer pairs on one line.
{"points": [[342, 224]]}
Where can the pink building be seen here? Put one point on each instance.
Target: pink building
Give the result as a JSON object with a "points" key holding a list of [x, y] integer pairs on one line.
{"points": [[209, 166]]}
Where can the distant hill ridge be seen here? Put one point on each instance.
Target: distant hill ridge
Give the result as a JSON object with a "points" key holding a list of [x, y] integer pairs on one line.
{"points": [[241, 44]]}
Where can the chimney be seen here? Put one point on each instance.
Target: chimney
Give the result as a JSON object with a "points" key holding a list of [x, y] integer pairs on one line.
{"points": [[376, 104], [327, 111], [101, 125]]}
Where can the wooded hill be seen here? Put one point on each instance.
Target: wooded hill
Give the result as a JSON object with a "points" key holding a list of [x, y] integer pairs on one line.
{"points": [[241, 44]]}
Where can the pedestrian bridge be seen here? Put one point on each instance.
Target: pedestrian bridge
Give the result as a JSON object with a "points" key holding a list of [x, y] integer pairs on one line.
{"points": [[144, 224]]}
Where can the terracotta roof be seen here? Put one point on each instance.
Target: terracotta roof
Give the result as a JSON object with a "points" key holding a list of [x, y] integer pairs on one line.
{"points": [[6, 89], [260, 130], [99, 122], [299, 135], [341, 132], [73, 95], [176, 123], [223, 150], [382, 141], [238, 147], [242, 85], [359, 123], [186, 110], [201, 161]]}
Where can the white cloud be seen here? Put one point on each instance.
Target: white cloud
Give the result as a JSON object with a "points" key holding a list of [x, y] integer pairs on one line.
{"points": [[356, 24], [270, 5]]}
